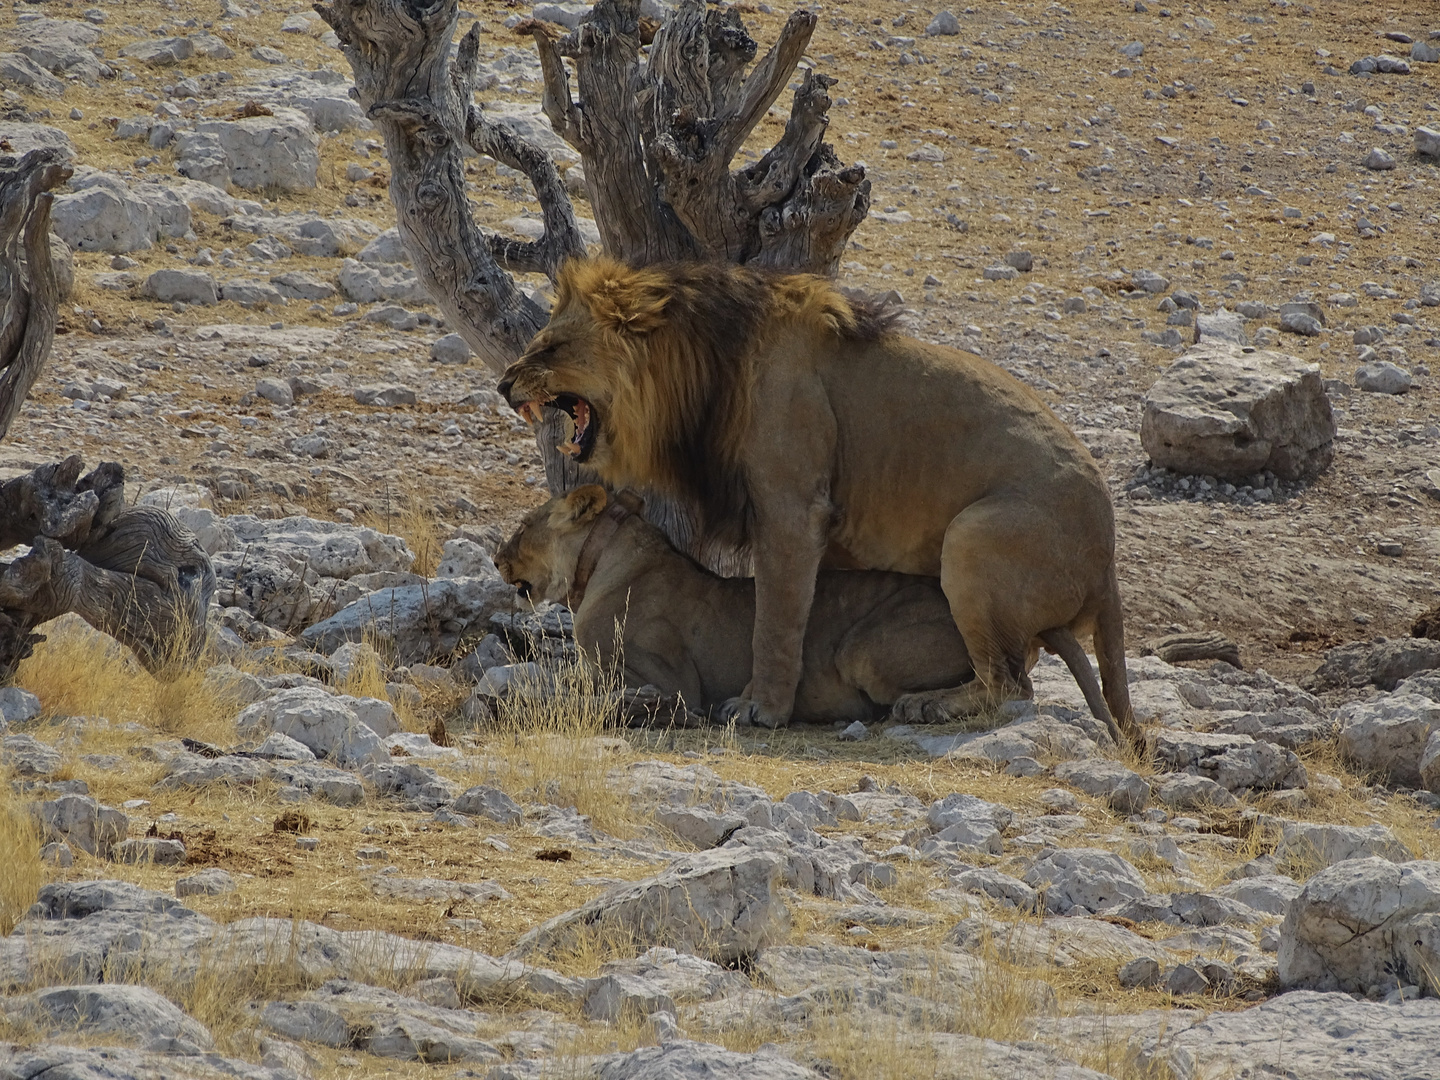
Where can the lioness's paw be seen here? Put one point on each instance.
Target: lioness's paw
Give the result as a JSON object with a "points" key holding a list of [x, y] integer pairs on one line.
{"points": [[932, 707], [744, 712]]}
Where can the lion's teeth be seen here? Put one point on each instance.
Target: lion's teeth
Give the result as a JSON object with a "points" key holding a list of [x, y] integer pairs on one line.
{"points": [[568, 448]]}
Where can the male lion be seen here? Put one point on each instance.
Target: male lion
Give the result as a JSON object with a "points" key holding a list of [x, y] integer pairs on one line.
{"points": [[801, 427], [873, 636]]}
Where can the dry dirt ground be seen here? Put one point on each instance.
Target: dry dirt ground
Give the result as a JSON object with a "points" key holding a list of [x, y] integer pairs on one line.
{"points": [[1187, 165]]}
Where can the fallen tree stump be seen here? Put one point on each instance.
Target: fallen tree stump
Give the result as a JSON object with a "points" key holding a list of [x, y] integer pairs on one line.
{"points": [[1205, 645], [135, 572]]}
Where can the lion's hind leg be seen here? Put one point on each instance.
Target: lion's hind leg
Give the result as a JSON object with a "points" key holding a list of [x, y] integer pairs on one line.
{"points": [[1005, 579]]}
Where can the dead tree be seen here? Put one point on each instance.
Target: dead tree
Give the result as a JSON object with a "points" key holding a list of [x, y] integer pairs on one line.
{"points": [[657, 136], [134, 572]]}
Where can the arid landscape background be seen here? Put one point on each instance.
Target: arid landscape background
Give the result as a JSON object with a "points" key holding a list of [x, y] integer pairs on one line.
{"points": [[1221, 164]]}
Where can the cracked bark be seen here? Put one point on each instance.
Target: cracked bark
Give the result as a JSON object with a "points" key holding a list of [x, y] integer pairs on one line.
{"points": [[134, 572]]}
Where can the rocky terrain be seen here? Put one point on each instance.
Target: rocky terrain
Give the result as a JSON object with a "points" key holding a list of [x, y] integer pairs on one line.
{"points": [[389, 825]]}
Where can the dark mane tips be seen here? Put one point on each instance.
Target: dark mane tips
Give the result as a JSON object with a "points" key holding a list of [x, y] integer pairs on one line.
{"points": [[875, 316]]}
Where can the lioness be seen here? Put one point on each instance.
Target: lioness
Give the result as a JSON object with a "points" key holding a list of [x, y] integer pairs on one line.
{"points": [[802, 427], [873, 636]]}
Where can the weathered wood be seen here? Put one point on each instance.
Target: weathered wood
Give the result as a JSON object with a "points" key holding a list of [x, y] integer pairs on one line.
{"points": [[1204, 645], [134, 572], [27, 277]]}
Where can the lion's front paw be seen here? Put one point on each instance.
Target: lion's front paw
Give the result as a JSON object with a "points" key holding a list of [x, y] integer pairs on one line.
{"points": [[746, 712]]}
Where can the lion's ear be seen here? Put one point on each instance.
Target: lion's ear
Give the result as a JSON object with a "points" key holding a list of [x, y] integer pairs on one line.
{"points": [[632, 302], [586, 503]]}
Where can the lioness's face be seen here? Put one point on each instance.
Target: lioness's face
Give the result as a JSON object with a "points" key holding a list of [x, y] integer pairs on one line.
{"points": [[539, 559]]}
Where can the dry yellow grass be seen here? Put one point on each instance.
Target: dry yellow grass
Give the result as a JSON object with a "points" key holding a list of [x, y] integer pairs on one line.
{"points": [[23, 871], [553, 741]]}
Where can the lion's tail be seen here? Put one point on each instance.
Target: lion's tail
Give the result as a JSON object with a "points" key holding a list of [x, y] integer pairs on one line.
{"points": [[1062, 643], [1113, 707], [1110, 655]]}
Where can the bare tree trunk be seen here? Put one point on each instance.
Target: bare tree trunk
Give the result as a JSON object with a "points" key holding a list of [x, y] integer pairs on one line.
{"points": [[656, 138], [134, 572]]}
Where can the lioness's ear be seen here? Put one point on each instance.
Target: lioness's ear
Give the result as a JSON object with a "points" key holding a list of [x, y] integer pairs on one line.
{"points": [[631, 501], [586, 503]]}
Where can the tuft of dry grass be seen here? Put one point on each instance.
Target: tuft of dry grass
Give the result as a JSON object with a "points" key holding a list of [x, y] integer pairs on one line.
{"points": [[24, 872], [82, 672], [408, 515], [550, 743]]}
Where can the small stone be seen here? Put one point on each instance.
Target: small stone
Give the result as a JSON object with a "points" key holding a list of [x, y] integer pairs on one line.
{"points": [[1393, 548], [1378, 160], [1187, 979], [1427, 142], [1023, 261], [307, 843], [1000, 273], [854, 733], [149, 850], [1140, 973], [1150, 281], [277, 391], [57, 853], [211, 881], [384, 396], [945, 24], [17, 706], [1382, 377], [450, 349], [1297, 322]]}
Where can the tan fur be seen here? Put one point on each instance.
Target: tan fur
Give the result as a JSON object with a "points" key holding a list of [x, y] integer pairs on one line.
{"points": [[800, 427], [872, 637]]}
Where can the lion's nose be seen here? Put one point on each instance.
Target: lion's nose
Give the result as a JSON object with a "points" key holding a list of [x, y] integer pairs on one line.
{"points": [[504, 388]]}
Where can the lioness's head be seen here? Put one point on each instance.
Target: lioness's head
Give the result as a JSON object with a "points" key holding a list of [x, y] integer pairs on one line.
{"points": [[539, 559]]}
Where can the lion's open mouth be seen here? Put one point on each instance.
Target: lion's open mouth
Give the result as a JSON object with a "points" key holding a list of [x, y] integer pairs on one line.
{"points": [[523, 587], [585, 423]]}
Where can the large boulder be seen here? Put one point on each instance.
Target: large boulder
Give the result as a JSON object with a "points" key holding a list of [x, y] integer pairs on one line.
{"points": [[330, 726], [20, 70], [1302, 1035], [1082, 881], [1326, 845], [1235, 762], [23, 137], [181, 286], [1220, 410], [1388, 737], [60, 46], [416, 623], [135, 1014], [103, 213], [280, 151], [82, 822], [1379, 663], [1364, 924], [723, 904]]}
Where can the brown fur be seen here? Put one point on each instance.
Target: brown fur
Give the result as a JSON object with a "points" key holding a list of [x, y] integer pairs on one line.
{"points": [[805, 429], [672, 624]]}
